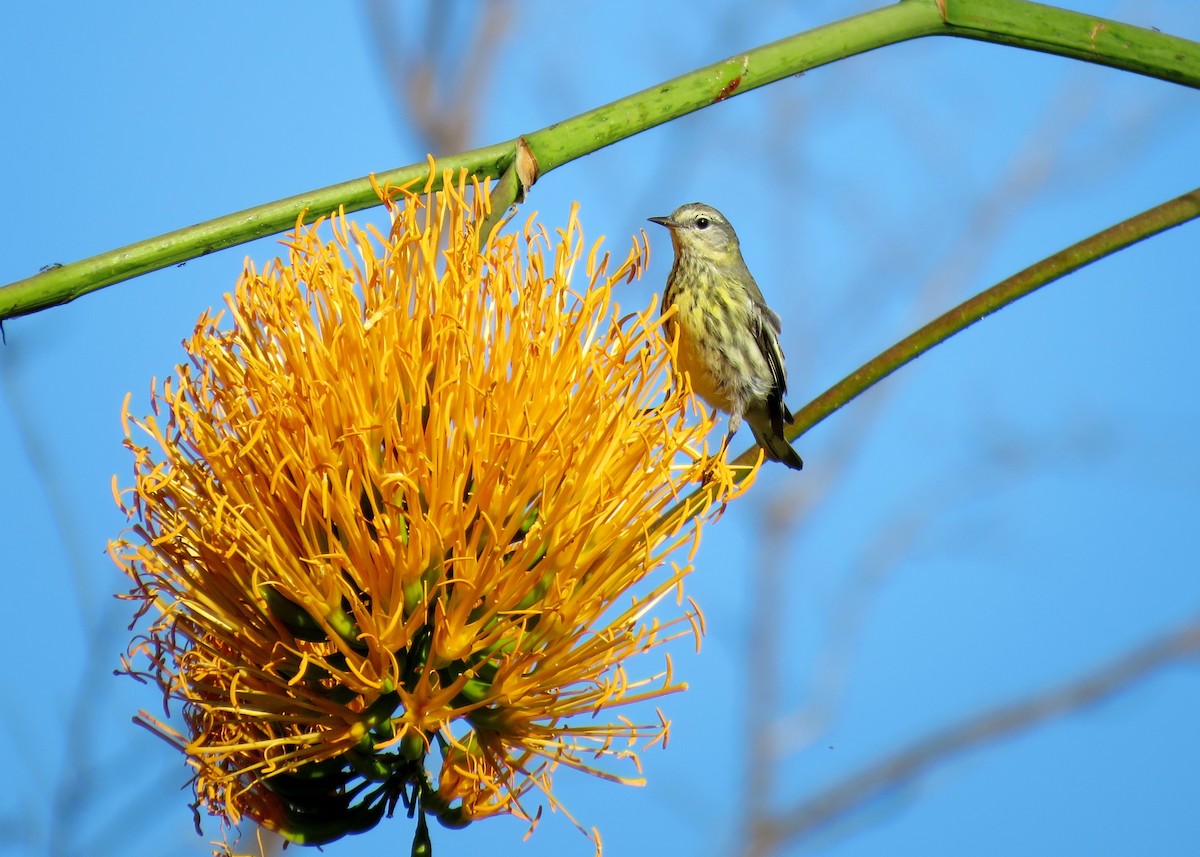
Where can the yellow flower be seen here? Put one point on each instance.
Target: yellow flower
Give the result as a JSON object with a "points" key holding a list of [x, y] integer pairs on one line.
{"points": [[398, 525]]}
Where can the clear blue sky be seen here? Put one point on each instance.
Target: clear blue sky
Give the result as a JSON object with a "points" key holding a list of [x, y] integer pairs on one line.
{"points": [[1016, 508]]}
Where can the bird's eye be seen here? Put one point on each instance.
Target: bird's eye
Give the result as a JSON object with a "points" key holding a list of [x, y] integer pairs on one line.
{"points": [[702, 222]]}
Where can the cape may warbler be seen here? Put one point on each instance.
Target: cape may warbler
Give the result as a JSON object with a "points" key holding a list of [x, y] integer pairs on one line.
{"points": [[728, 336]]}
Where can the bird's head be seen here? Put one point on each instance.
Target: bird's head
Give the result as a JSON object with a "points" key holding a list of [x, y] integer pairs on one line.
{"points": [[700, 230]]}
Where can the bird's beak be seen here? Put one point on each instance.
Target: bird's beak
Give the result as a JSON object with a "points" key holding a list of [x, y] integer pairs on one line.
{"points": [[663, 221]]}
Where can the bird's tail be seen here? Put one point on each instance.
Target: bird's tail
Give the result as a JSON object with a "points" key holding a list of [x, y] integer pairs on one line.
{"points": [[776, 446]]}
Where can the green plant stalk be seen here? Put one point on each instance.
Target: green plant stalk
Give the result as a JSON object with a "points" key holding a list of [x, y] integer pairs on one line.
{"points": [[1011, 22], [1124, 234], [1069, 34]]}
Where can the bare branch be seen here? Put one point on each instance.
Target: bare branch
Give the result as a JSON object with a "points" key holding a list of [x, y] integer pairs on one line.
{"points": [[439, 87], [909, 764]]}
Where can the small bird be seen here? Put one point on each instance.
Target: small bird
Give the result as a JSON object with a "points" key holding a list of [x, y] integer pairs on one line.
{"points": [[728, 336]]}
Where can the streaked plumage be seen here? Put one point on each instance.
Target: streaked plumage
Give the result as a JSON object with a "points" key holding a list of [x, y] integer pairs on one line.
{"points": [[728, 336]]}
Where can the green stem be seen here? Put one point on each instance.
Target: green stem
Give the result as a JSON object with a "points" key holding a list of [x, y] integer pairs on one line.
{"points": [[63, 284], [1127, 232], [1011, 22], [1072, 34]]}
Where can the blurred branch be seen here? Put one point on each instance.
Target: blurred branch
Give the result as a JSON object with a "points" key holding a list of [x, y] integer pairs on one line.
{"points": [[909, 764], [769, 736], [58, 817], [1012, 22], [440, 86], [766, 658]]}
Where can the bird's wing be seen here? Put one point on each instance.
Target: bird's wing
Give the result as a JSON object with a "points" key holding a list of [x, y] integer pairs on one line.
{"points": [[772, 318], [766, 324], [765, 327]]}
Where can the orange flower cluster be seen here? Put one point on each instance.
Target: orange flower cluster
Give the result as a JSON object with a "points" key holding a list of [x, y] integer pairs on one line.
{"points": [[399, 523]]}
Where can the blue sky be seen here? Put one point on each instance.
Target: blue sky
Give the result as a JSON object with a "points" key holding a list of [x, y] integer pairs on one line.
{"points": [[1010, 511]]}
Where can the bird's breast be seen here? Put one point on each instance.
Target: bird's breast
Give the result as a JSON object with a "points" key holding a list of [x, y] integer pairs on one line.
{"points": [[708, 350]]}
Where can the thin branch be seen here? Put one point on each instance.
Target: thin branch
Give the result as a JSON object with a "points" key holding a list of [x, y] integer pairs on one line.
{"points": [[437, 83], [1158, 219], [911, 763]]}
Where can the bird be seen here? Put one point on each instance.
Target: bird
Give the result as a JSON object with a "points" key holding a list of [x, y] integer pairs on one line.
{"points": [[728, 338]]}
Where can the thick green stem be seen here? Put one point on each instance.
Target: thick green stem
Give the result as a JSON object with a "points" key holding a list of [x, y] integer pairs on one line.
{"points": [[1011, 22], [63, 284], [1079, 36]]}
